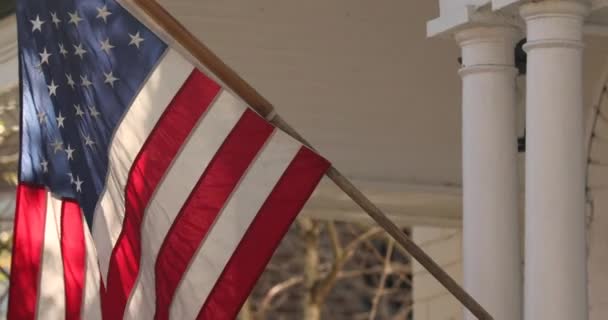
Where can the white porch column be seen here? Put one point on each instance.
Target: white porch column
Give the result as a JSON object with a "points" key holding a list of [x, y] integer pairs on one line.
{"points": [[555, 270], [491, 237]]}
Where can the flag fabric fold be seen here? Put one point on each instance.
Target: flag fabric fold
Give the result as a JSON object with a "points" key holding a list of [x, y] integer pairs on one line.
{"points": [[146, 189]]}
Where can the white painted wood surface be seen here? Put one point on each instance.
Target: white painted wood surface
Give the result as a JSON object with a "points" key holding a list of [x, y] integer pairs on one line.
{"points": [[362, 82]]}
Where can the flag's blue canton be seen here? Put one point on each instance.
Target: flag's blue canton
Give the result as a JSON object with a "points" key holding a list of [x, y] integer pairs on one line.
{"points": [[81, 65]]}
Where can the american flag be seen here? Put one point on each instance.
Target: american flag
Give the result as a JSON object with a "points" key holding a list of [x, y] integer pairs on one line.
{"points": [[146, 189]]}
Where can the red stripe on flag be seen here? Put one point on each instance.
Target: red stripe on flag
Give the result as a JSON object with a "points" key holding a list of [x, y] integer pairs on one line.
{"points": [[102, 291], [28, 241], [152, 162], [73, 252], [263, 236], [204, 204]]}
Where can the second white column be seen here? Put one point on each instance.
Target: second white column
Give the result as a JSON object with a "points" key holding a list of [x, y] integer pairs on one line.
{"points": [[555, 272]]}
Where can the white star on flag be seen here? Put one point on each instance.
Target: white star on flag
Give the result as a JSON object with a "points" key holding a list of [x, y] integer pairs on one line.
{"points": [[106, 46], [85, 81], [60, 120], [88, 141], [71, 177], [110, 78], [103, 13], [57, 145], [71, 82], [62, 50], [37, 24], [74, 18], [79, 111], [136, 39], [53, 88], [44, 56], [79, 50], [78, 184], [41, 117], [94, 113], [45, 165], [70, 152], [55, 19]]}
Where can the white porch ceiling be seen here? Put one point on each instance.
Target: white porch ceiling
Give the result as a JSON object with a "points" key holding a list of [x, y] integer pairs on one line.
{"points": [[362, 82]]}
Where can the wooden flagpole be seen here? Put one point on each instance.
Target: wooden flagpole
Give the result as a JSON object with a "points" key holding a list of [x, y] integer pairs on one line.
{"points": [[207, 58]]}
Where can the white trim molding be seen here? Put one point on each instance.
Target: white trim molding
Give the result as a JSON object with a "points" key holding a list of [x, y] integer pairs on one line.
{"points": [[457, 15], [406, 204]]}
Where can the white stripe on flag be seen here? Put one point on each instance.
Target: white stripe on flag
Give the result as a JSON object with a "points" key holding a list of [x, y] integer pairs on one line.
{"points": [[91, 302], [236, 216], [51, 294], [181, 178], [137, 124]]}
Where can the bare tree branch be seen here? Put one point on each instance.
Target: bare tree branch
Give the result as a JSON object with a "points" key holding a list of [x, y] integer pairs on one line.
{"points": [[274, 291], [310, 233], [335, 239], [322, 263], [382, 284]]}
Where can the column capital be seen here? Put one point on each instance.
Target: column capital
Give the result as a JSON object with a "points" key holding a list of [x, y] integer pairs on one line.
{"points": [[554, 23], [567, 8], [487, 48], [478, 34]]}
